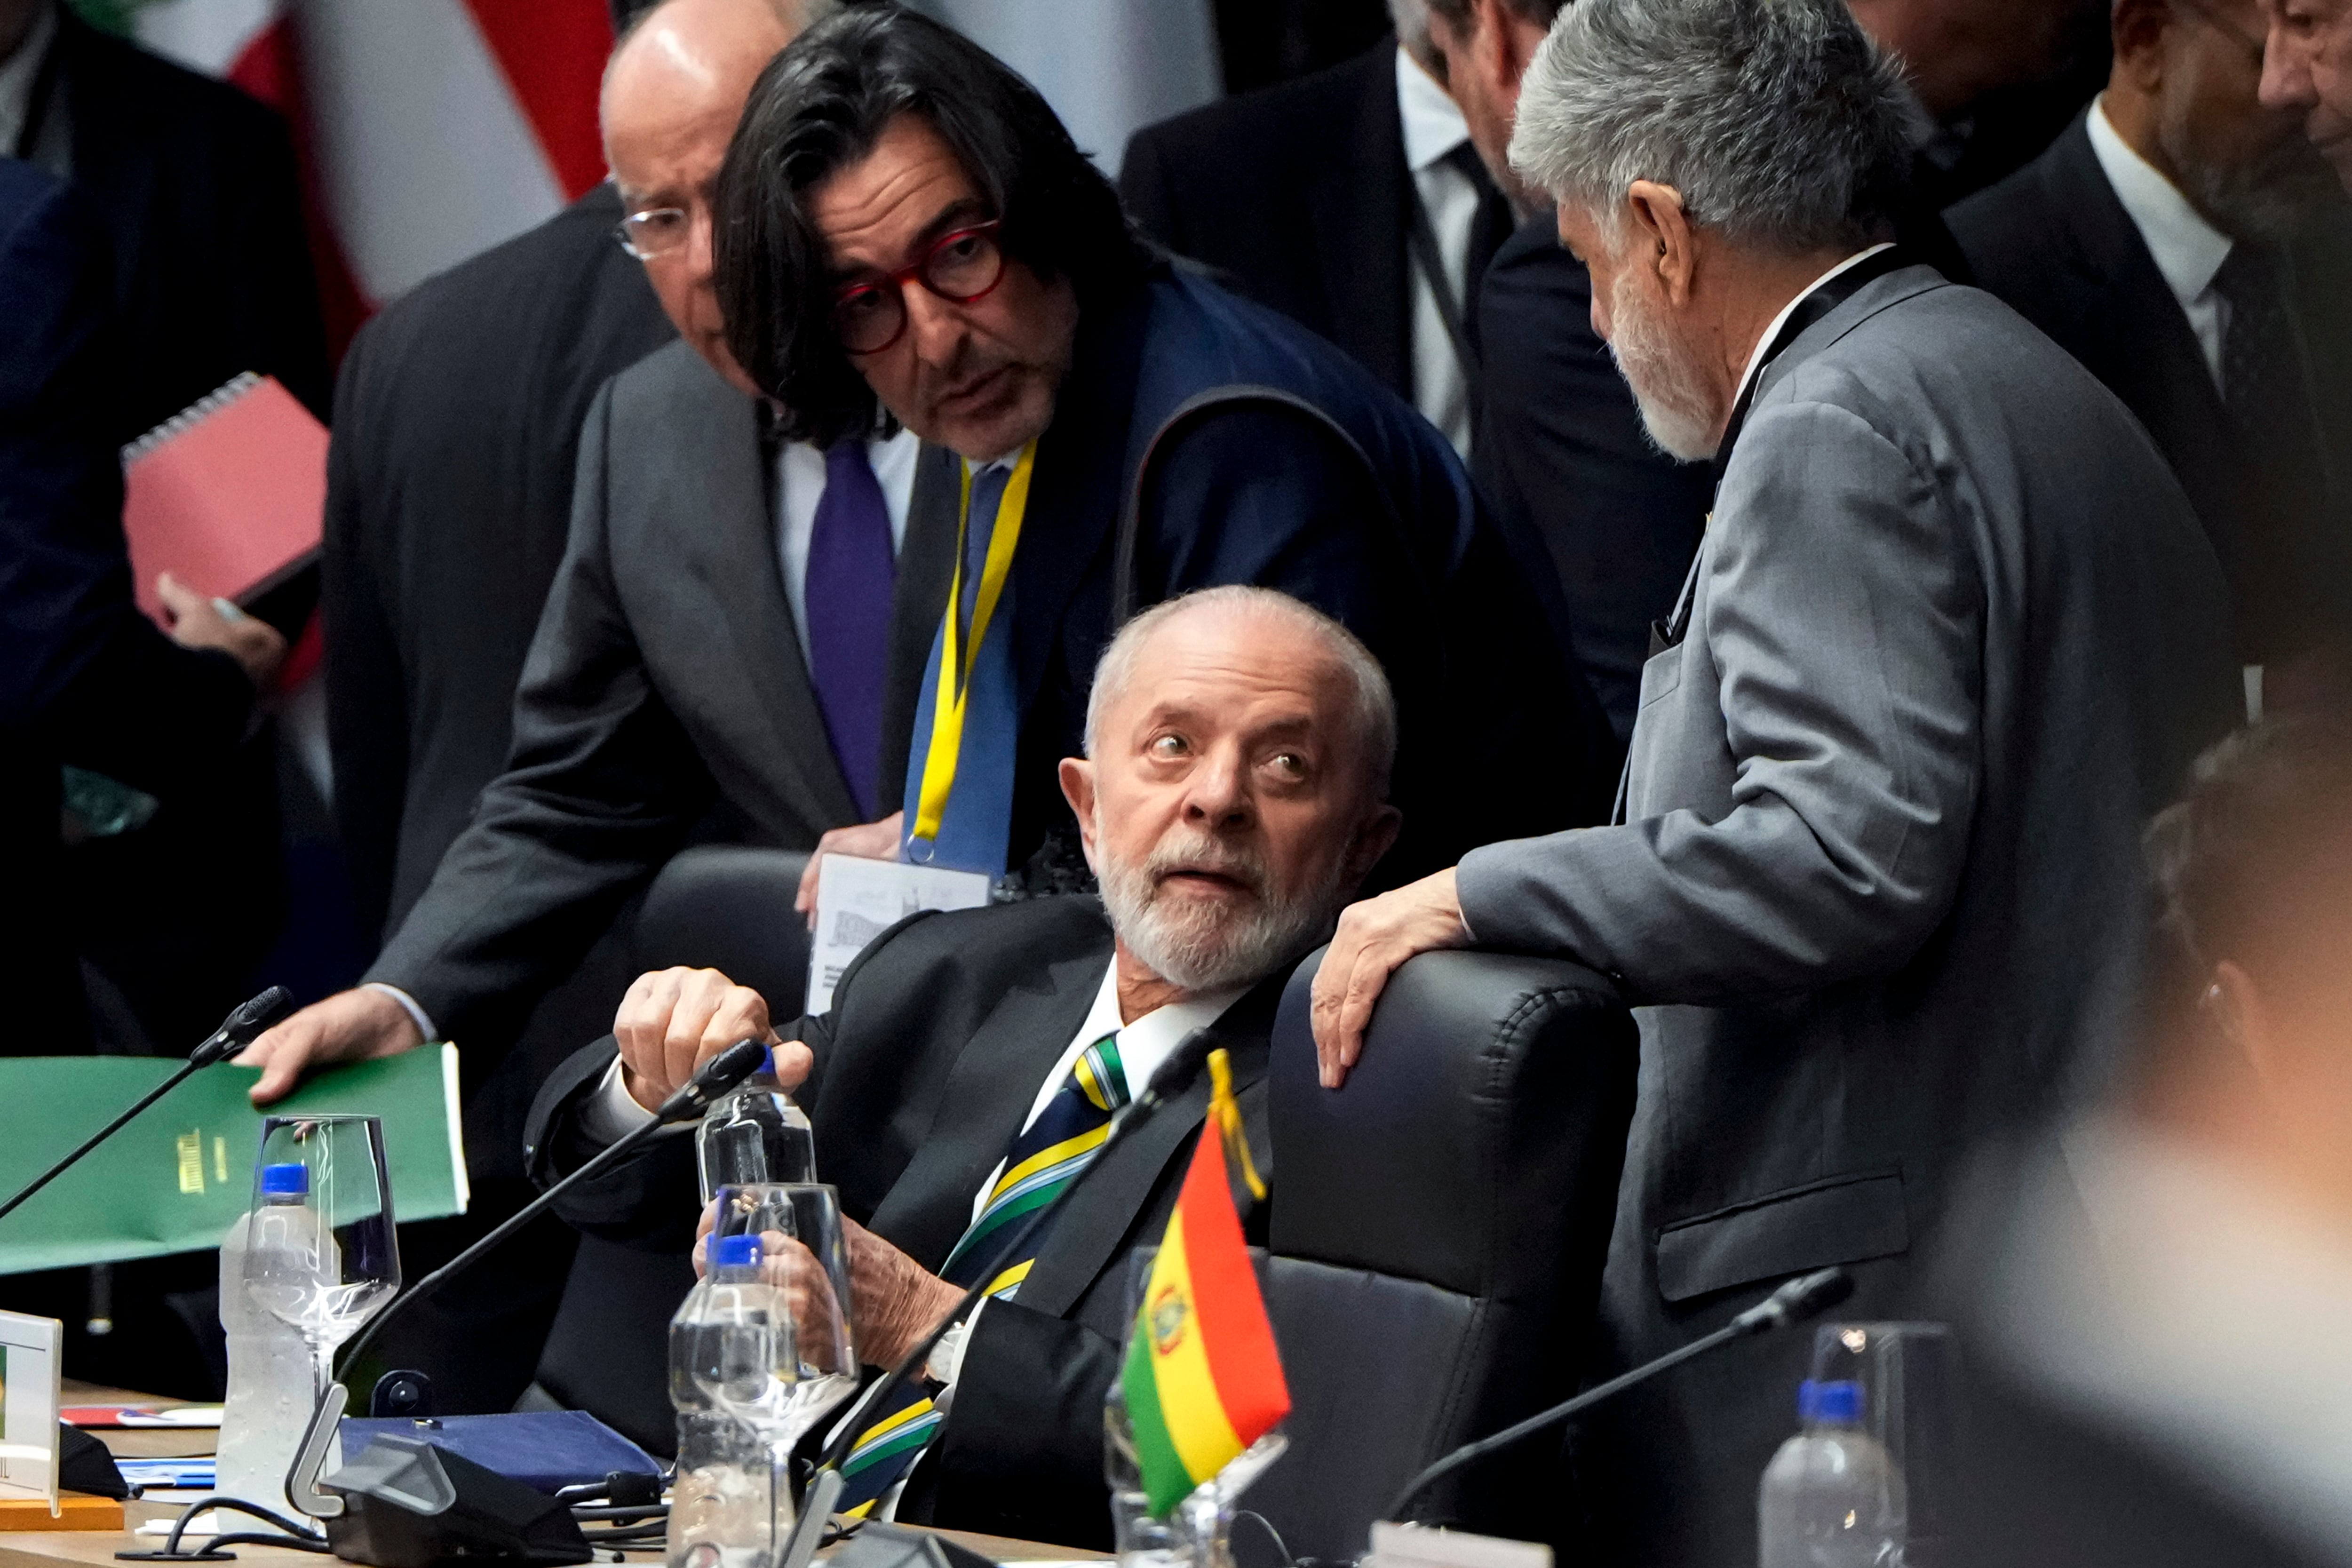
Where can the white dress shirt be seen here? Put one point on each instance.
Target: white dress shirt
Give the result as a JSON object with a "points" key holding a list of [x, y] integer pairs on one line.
{"points": [[800, 484], [17, 74], [1756, 355], [2186, 249], [1434, 127]]}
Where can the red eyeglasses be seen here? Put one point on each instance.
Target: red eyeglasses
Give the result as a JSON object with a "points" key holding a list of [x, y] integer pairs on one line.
{"points": [[962, 266]]}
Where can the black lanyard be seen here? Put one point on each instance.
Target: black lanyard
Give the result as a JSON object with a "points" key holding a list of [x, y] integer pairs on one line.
{"points": [[1810, 311]]}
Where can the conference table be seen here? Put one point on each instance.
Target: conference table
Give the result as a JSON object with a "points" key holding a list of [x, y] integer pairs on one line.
{"points": [[96, 1548]]}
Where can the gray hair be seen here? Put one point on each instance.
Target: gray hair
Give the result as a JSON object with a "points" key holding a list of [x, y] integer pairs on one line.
{"points": [[1411, 20], [1780, 122], [1371, 705]]}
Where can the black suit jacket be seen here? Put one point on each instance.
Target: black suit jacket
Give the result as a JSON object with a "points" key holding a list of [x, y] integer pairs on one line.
{"points": [[663, 687], [212, 268], [448, 498], [2055, 242], [1562, 452], [1298, 194], [941, 1034], [1497, 735], [85, 677]]}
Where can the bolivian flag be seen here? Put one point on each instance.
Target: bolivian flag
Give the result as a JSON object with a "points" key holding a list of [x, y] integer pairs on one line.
{"points": [[1202, 1381]]}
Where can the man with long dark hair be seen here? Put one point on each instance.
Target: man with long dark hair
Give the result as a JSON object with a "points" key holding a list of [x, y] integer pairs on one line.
{"points": [[908, 235]]}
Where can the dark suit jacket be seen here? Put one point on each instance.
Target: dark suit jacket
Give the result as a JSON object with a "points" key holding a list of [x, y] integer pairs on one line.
{"points": [[1298, 194], [665, 682], [448, 498], [85, 677], [941, 1034], [1498, 733], [212, 268], [1562, 452], [2055, 242]]}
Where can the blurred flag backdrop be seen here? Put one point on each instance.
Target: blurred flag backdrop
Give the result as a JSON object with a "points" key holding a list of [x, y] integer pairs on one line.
{"points": [[430, 130]]}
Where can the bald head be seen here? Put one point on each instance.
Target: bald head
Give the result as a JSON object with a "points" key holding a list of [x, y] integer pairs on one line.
{"points": [[673, 91]]}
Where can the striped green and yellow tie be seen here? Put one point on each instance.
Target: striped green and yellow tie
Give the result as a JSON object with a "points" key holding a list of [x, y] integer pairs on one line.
{"points": [[1045, 1158]]}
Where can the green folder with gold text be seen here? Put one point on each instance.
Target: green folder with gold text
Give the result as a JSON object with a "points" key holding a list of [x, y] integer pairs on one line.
{"points": [[174, 1179]]}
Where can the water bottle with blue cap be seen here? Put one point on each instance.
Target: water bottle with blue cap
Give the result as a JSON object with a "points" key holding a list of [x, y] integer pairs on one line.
{"points": [[720, 1512], [1831, 1498], [269, 1392], [754, 1133]]}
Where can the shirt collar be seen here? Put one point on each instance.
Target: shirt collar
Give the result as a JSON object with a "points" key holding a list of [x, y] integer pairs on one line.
{"points": [[2186, 249], [18, 73], [1152, 1039], [1756, 355], [1433, 125]]}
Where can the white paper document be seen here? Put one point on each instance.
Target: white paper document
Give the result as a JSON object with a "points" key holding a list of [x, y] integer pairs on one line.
{"points": [[858, 900], [31, 1364]]}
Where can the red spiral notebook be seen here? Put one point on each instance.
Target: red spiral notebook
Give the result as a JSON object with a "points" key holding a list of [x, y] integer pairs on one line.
{"points": [[229, 497]]}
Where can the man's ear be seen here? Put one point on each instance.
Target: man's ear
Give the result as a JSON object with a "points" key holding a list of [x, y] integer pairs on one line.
{"points": [[2235, 1005], [1662, 238], [2139, 27], [1373, 839], [1079, 789]]}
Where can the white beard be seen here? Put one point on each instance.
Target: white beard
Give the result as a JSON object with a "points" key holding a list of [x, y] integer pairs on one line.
{"points": [[1677, 410], [1197, 946]]}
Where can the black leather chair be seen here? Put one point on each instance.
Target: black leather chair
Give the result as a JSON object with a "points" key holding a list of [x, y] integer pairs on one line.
{"points": [[1437, 1235], [723, 907], [729, 906]]}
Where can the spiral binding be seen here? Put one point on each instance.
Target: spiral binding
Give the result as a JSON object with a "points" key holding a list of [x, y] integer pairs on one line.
{"points": [[203, 408]]}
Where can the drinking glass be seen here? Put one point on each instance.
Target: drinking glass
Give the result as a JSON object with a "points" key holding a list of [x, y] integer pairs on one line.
{"points": [[328, 1263], [1198, 1532], [777, 1355]]}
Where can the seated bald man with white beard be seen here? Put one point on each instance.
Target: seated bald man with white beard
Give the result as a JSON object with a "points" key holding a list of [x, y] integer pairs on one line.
{"points": [[1231, 798]]}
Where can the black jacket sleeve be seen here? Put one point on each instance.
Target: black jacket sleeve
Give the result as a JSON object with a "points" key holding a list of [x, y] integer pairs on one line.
{"points": [[601, 787], [84, 674], [1022, 1453], [367, 698]]}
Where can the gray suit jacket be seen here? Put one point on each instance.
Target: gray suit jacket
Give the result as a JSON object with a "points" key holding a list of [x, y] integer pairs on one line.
{"points": [[1955, 633], [664, 694]]}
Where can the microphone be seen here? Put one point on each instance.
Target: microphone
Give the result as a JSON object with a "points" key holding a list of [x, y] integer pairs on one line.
{"points": [[1794, 1302], [711, 1080], [244, 1025], [1178, 1073], [238, 1031]]}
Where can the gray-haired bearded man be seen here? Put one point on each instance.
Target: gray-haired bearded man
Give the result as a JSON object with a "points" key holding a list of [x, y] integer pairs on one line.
{"points": [[1232, 798], [1952, 633]]}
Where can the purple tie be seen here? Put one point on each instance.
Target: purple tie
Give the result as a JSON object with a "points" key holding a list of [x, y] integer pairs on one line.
{"points": [[852, 570]]}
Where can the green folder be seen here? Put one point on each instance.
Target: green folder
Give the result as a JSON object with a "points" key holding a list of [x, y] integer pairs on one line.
{"points": [[177, 1178]]}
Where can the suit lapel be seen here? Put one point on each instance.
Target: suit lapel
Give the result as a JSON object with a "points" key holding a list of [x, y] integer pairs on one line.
{"points": [[984, 1106], [2150, 353], [926, 567], [1358, 209], [1093, 1233], [724, 523]]}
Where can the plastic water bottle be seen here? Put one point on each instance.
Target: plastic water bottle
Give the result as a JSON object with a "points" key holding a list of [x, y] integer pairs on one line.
{"points": [[754, 1132], [1831, 1497], [720, 1512], [270, 1391]]}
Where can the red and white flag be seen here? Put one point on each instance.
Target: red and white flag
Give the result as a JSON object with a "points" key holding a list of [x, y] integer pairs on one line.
{"points": [[430, 130]]}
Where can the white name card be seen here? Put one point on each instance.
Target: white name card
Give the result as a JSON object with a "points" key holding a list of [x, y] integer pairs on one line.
{"points": [[858, 900]]}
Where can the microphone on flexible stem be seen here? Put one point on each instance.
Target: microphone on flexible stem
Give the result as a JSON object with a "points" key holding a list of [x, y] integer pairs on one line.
{"points": [[238, 1031], [1176, 1075], [713, 1078], [1794, 1302]]}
